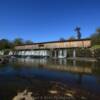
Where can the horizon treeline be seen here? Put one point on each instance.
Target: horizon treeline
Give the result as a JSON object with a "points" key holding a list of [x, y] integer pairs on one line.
{"points": [[7, 44]]}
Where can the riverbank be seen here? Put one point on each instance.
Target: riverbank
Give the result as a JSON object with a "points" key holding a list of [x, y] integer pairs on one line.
{"points": [[83, 59]]}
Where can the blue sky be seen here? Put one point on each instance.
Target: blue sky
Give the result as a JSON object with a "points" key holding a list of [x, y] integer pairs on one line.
{"points": [[47, 20]]}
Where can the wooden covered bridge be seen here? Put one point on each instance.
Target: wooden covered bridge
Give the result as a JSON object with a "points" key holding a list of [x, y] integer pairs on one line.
{"points": [[55, 49]]}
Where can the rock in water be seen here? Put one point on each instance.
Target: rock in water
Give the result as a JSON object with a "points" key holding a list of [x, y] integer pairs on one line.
{"points": [[24, 96]]}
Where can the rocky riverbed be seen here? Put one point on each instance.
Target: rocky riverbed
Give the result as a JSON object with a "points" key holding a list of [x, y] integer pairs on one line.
{"points": [[56, 91]]}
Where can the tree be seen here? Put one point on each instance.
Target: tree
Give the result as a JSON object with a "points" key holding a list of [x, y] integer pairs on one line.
{"points": [[5, 44], [96, 43], [96, 37], [71, 38], [28, 42], [77, 29], [18, 41], [62, 39]]}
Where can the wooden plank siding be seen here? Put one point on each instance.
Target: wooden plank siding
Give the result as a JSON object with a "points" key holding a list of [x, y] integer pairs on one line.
{"points": [[55, 44]]}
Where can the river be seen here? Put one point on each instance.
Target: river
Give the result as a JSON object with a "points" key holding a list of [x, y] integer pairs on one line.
{"points": [[40, 76]]}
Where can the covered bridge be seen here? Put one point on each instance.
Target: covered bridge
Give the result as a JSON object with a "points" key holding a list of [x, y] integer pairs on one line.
{"points": [[56, 49]]}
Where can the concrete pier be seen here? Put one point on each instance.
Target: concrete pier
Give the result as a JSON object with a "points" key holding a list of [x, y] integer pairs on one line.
{"points": [[74, 53]]}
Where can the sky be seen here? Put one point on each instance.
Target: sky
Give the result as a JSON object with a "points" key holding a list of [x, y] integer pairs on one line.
{"points": [[48, 20]]}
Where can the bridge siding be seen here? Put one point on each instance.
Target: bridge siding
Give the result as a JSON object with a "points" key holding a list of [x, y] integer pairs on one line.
{"points": [[52, 45], [51, 49]]}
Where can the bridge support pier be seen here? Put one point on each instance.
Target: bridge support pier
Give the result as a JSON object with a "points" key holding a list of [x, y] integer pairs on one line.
{"points": [[65, 53], [59, 53], [74, 53], [62, 53]]}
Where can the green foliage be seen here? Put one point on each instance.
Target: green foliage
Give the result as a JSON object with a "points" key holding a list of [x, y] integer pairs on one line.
{"points": [[70, 52], [96, 43], [84, 52], [5, 44], [96, 37], [28, 42], [6, 51], [80, 52], [95, 47], [96, 53], [18, 41]]}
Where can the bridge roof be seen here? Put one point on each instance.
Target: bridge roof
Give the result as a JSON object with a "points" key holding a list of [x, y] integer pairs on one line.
{"points": [[57, 44], [57, 41]]}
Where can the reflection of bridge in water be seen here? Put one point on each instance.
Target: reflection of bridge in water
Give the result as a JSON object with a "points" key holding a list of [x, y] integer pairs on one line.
{"points": [[60, 65]]}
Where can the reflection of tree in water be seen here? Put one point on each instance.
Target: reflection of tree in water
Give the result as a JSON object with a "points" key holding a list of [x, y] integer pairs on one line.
{"points": [[96, 68], [96, 71]]}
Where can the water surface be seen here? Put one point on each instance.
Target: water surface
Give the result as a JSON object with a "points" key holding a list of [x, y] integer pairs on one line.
{"points": [[42, 75]]}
